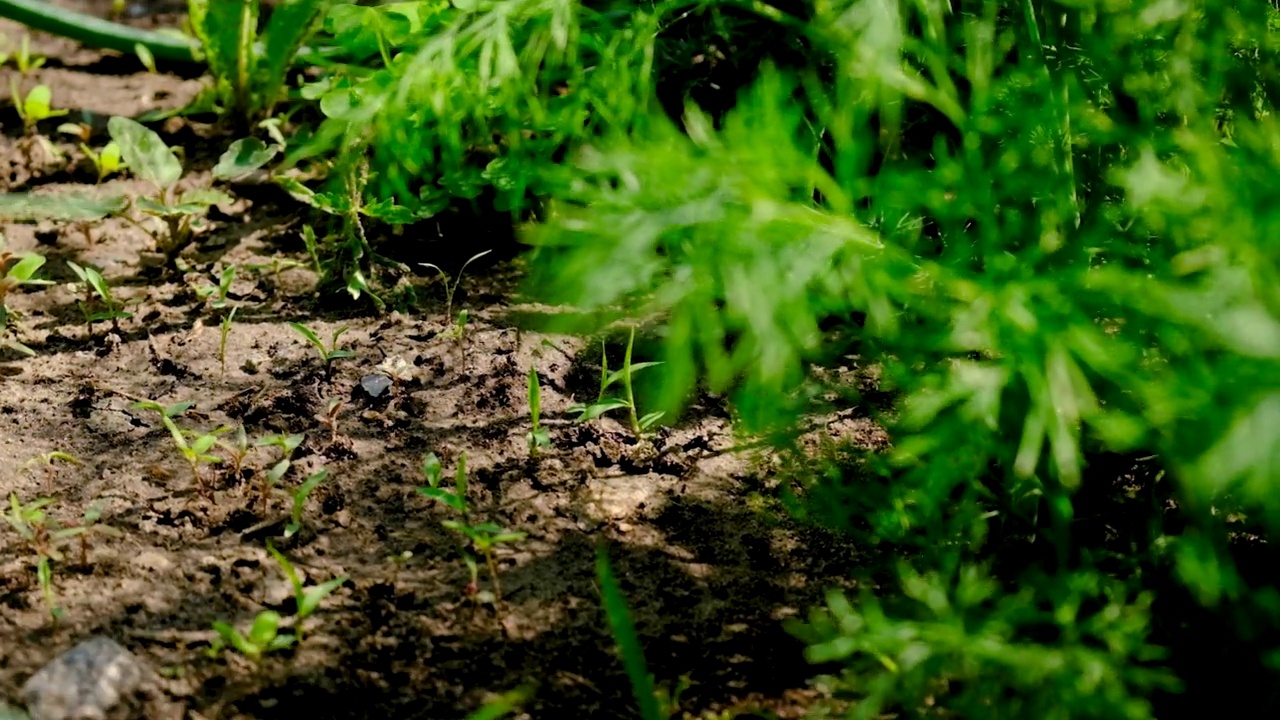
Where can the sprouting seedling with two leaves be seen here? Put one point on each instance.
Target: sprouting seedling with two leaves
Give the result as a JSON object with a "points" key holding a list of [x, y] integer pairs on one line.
{"points": [[96, 286], [16, 271], [194, 446], [328, 353], [484, 537], [639, 424]]}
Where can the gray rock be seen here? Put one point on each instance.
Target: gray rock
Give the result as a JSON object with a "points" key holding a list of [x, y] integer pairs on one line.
{"points": [[95, 680]]}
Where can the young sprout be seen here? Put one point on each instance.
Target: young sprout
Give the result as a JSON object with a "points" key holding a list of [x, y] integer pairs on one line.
{"points": [[48, 461], [327, 353], [305, 599], [89, 526], [195, 451], [34, 527], [450, 290], [219, 292], [538, 436], [96, 286], [14, 275], [36, 107], [329, 418], [272, 477], [237, 451], [224, 329], [106, 161], [300, 501], [264, 637], [639, 424], [25, 60], [484, 537]]}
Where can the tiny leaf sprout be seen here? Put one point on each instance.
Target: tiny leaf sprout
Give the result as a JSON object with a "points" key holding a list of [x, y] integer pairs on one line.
{"points": [[273, 476], [639, 424], [264, 637], [36, 107], [327, 353], [14, 275], [195, 451], [107, 161], [96, 286], [306, 599], [451, 289], [218, 292], [224, 329], [538, 436], [49, 459], [300, 501]]}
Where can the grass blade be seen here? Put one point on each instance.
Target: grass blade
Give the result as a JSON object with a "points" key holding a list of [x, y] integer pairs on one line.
{"points": [[624, 633]]}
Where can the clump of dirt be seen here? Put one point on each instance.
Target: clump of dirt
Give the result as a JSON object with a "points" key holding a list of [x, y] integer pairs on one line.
{"points": [[710, 575]]}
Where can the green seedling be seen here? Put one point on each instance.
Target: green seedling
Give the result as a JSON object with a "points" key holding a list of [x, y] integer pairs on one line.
{"points": [[25, 60], [300, 501], [107, 161], [327, 353], [237, 451], [145, 56], [18, 271], [219, 292], [306, 599], [272, 477], [484, 537], [329, 418], [179, 214], [451, 289], [195, 450], [48, 461], [96, 286], [88, 527], [36, 107], [264, 637], [224, 329], [42, 537], [608, 379], [538, 436], [275, 267]]}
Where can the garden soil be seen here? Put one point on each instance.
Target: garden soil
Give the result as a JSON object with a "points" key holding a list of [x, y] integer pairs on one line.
{"points": [[711, 570]]}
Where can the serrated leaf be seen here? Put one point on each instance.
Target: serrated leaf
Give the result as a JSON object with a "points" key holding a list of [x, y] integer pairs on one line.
{"points": [[243, 157], [145, 153]]}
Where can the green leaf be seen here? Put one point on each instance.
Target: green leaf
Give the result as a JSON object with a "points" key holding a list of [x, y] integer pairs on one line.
{"points": [[39, 105], [443, 496], [229, 29], [595, 410], [312, 596], [265, 628], [67, 207], [243, 157], [432, 470], [145, 153], [291, 23], [24, 269]]}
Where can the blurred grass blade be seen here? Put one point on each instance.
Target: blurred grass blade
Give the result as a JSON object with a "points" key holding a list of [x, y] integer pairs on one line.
{"points": [[624, 633]]}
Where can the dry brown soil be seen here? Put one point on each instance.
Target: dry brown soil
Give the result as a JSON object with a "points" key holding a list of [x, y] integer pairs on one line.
{"points": [[710, 571]]}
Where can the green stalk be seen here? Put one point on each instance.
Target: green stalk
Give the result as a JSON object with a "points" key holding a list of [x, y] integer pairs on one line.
{"points": [[96, 32], [626, 384]]}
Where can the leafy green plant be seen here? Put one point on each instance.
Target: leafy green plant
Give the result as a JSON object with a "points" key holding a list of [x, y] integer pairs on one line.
{"points": [[25, 60], [106, 162], [328, 353], [49, 460], [43, 537], [249, 68], [264, 637], [306, 599], [538, 436], [639, 424], [95, 286], [483, 537]]}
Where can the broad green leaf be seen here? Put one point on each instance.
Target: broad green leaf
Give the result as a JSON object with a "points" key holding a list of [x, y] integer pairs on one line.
{"points": [[312, 596], [24, 269], [243, 157], [443, 496], [145, 153], [229, 29], [39, 104], [265, 627], [68, 207]]}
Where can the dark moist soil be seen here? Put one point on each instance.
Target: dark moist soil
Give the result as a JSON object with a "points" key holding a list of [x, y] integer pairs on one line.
{"points": [[709, 569]]}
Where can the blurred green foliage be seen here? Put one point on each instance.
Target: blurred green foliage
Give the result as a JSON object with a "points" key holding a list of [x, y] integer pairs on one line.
{"points": [[1047, 226]]}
